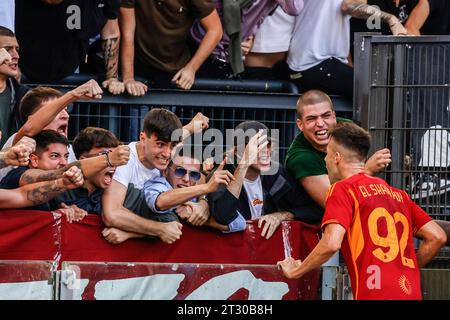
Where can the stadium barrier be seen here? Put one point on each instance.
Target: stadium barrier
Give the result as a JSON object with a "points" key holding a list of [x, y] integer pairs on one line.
{"points": [[42, 256], [225, 102]]}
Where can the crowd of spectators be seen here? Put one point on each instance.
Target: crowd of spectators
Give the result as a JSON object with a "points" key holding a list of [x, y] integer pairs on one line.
{"points": [[150, 187], [171, 42]]}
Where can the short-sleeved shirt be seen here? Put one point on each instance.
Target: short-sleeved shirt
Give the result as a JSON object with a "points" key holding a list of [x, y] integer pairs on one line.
{"points": [[378, 249], [11, 181], [134, 171], [320, 32], [162, 28]]}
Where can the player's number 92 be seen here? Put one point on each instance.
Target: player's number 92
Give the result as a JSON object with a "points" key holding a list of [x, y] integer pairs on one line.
{"points": [[390, 241]]}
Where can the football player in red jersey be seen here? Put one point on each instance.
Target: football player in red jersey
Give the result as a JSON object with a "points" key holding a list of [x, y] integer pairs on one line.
{"points": [[372, 223]]}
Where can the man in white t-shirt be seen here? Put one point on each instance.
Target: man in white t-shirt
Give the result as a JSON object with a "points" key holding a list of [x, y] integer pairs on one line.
{"points": [[318, 54], [149, 156], [266, 59], [320, 45]]}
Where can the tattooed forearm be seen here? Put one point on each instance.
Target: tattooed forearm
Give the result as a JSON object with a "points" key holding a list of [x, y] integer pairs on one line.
{"points": [[37, 175], [111, 55], [73, 164], [45, 193], [365, 11]]}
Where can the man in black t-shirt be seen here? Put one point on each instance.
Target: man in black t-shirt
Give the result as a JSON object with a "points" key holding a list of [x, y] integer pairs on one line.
{"points": [[51, 153], [55, 36]]}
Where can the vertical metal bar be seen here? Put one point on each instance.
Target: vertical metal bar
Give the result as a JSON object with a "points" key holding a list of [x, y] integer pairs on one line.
{"points": [[398, 101], [362, 81]]}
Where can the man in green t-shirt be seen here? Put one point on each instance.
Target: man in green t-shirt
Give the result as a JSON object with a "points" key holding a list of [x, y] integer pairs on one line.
{"points": [[305, 158]]}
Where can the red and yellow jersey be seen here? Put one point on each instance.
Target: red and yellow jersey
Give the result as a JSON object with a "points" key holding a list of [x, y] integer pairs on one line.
{"points": [[378, 247]]}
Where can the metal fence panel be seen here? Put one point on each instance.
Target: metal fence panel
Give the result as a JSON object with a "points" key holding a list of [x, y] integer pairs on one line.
{"points": [[124, 115], [402, 97]]}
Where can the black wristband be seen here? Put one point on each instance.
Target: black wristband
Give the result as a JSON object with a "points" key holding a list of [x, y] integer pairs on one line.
{"points": [[107, 160]]}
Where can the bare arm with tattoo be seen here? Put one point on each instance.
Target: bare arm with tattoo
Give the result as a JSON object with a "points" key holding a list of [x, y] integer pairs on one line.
{"points": [[89, 166], [110, 45], [361, 10], [41, 192]]}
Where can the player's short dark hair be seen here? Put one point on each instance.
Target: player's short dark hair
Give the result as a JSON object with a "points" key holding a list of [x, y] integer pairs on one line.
{"points": [[162, 123], [33, 100], [47, 137], [5, 32], [312, 97], [352, 137], [92, 137]]}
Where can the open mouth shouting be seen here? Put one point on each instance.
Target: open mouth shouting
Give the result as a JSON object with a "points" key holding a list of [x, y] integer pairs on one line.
{"points": [[322, 134], [108, 175], [62, 129]]}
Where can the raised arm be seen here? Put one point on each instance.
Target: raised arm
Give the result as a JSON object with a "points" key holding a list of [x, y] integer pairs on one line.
{"points": [[45, 115], [127, 29], [18, 155], [89, 166], [41, 192], [257, 143], [185, 77]]}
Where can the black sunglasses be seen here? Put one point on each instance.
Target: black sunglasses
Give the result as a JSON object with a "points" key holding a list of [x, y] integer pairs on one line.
{"points": [[181, 172]]}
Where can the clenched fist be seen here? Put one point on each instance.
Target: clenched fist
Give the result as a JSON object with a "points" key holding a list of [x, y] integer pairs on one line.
{"points": [[88, 90], [119, 155], [73, 178], [19, 154]]}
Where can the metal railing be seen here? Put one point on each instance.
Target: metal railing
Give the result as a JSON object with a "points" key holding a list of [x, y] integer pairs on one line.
{"points": [[402, 87], [226, 103]]}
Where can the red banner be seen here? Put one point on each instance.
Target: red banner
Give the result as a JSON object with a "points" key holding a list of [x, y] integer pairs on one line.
{"points": [[34, 235]]}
